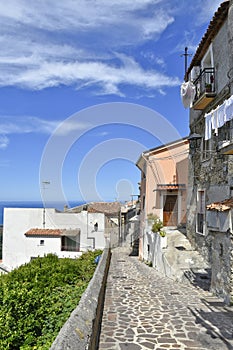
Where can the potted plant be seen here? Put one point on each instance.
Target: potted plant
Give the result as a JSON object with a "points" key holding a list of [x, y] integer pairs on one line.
{"points": [[208, 87], [157, 227]]}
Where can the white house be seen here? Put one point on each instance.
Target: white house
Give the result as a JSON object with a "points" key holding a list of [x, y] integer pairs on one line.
{"points": [[33, 232]]}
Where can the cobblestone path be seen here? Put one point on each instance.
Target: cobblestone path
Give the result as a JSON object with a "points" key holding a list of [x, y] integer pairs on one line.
{"points": [[144, 310]]}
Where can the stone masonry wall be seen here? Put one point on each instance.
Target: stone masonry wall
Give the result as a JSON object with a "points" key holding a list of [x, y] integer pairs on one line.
{"points": [[81, 330], [231, 276], [221, 265]]}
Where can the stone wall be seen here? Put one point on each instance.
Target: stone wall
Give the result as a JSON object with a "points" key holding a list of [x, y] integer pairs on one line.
{"points": [[230, 43], [81, 330], [222, 274], [214, 174], [231, 276]]}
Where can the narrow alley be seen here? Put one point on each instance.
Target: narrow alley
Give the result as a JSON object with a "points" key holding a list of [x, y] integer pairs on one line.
{"points": [[144, 310]]}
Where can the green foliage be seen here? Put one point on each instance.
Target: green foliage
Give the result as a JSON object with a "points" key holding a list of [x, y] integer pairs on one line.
{"points": [[157, 227], [162, 233], [37, 298]]}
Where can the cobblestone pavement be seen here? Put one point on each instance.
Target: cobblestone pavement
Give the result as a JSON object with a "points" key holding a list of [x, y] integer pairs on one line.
{"points": [[144, 310]]}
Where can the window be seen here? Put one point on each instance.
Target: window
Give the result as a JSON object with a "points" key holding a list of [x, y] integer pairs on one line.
{"points": [[206, 149], [227, 131], [208, 59], [70, 244], [200, 211], [42, 242]]}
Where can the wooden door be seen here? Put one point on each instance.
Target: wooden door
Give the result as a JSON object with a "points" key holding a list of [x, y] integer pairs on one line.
{"points": [[170, 211]]}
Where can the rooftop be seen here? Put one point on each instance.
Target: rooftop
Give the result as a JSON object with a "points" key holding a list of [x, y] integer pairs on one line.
{"points": [[212, 30], [107, 208], [227, 204], [51, 232], [43, 232]]}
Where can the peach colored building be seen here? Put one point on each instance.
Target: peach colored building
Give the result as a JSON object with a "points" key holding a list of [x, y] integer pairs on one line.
{"points": [[164, 179]]}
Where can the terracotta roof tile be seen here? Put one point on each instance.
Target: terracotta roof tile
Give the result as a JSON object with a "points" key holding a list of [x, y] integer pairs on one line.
{"points": [[212, 30], [108, 208], [44, 232], [227, 204], [104, 207]]}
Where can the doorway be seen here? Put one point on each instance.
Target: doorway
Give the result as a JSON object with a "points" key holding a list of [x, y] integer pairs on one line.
{"points": [[170, 211]]}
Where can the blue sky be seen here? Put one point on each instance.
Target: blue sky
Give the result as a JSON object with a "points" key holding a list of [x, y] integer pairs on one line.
{"points": [[66, 68]]}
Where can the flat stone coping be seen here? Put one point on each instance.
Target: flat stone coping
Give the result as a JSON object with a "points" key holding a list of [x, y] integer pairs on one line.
{"points": [[81, 330]]}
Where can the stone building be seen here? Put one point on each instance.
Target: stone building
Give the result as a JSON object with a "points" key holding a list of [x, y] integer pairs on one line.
{"points": [[211, 149]]}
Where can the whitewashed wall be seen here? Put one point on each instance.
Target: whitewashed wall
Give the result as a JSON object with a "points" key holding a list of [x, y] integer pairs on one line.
{"points": [[153, 245], [18, 249]]}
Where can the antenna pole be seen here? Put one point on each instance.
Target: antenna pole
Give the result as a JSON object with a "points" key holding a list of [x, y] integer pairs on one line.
{"points": [[186, 55]]}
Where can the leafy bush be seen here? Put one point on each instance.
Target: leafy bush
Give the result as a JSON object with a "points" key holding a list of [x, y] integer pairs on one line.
{"points": [[37, 298], [157, 227]]}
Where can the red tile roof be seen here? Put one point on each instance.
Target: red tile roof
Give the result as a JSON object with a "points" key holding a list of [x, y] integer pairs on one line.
{"points": [[212, 30], [44, 232], [227, 204], [104, 207], [107, 208], [52, 232]]}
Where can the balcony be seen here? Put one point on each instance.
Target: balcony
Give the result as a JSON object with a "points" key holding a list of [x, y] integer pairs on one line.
{"points": [[226, 147], [225, 138], [205, 88]]}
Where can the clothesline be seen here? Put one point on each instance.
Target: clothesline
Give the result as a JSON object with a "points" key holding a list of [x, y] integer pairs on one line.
{"points": [[218, 117]]}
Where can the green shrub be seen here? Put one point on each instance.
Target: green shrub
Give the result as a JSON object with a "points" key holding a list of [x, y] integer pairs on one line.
{"points": [[157, 226], [37, 298]]}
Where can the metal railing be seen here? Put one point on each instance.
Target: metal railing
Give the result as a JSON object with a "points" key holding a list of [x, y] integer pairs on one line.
{"points": [[205, 82]]}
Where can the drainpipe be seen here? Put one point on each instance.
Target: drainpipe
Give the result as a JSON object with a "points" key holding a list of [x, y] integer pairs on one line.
{"points": [[89, 237]]}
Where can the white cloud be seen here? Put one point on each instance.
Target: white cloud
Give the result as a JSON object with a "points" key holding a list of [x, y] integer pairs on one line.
{"points": [[206, 12], [68, 126], [89, 43], [69, 15], [109, 77], [157, 24], [48, 43], [103, 133], [4, 141], [27, 124]]}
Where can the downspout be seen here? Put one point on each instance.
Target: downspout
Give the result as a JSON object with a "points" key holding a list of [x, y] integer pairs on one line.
{"points": [[93, 238]]}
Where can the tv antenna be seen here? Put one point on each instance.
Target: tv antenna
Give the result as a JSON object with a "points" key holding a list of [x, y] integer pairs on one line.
{"points": [[186, 55]]}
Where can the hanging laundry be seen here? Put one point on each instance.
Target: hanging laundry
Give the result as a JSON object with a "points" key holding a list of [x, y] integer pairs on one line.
{"points": [[229, 109], [208, 126], [221, 116], [187, 92], [214, 120]]}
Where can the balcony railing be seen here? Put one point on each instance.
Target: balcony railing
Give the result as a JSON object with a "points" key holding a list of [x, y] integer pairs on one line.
{"points": [[205, 88], [225, 138]]}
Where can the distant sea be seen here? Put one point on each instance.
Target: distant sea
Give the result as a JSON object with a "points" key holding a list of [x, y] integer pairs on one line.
{"points": [[35, 204]]}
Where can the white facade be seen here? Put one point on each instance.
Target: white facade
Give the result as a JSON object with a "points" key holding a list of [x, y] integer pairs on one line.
{"points": [[18, 248]]}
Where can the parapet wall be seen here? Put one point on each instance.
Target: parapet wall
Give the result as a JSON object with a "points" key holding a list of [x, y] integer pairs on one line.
{"points": [[81, 330]]}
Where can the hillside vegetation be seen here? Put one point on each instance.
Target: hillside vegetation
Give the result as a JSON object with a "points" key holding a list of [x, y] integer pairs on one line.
{"points": [[37, 298]]}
